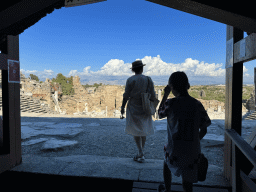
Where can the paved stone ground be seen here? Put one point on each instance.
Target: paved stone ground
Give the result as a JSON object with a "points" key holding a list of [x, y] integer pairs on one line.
{"points": [[101, 148], [106, 137]]}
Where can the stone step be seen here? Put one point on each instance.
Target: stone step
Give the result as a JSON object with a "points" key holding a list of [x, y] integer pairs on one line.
{"points": [[29, 104], [252, 116], [34, 111], [31, 108]]}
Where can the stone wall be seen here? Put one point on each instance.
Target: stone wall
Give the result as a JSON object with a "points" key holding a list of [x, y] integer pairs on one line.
{"points": [[250, 103], [104, 100], [42, 91]]}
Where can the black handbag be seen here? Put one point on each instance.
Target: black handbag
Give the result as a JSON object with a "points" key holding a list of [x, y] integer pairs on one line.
{"points": [[202, 167]]}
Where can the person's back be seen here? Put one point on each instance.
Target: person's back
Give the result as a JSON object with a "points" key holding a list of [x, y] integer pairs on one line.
{"points": [[185, 116], [138, 123], [184, 121], [138, 84]]}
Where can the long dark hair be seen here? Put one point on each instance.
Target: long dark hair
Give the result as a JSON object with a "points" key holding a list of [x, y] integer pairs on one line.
{"points": [[179, 81]]}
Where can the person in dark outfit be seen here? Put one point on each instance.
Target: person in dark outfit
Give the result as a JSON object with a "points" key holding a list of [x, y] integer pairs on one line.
{"points": [[185, 116]]}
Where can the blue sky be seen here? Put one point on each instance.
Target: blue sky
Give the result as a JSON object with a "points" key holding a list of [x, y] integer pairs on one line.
{"points": [[98, 42]]}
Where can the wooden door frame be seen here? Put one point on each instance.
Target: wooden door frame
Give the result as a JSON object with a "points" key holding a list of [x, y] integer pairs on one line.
{"points": [[11, 151]]}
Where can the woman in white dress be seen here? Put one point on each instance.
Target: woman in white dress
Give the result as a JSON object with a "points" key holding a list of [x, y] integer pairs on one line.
{"points": [[138, 123]]}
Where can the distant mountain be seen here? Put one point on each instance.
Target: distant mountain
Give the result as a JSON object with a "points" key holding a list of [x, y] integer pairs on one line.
{"points": [[158, 80]]}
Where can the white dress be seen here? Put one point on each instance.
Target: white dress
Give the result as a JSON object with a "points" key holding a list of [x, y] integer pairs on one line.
{"points": [[137, 122]]}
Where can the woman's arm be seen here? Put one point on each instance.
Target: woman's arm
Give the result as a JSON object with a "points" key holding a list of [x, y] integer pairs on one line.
{"points": [[126, 96], [163, 100], [123, 105], [167, 91]]}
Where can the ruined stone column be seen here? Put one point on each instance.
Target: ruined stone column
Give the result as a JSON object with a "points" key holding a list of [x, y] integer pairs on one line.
{"points": [[86, 108], [56, 99], [219, 109], [56, 96]]}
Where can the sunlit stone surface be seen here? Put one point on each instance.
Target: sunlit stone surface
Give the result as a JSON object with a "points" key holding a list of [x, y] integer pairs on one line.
{"points": [[34, 141], [69, 130], [62, 129], [55, 144]]}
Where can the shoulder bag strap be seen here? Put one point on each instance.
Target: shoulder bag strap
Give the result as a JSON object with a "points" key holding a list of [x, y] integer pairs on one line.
{"points": [[148, 85]]}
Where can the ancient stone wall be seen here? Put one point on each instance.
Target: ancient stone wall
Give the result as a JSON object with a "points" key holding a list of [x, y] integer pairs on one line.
{"points": [[250, 103], [42, 91], [104, 100]]}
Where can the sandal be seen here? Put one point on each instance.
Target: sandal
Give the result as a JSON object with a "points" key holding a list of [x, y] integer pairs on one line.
{"points": [[135, 158], [161, 188], [141, 159]]}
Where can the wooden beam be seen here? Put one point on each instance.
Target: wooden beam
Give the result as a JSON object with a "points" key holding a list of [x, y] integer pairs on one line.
{"points": [[241, 149], [22, 10], [228, 114], [11, 150], [5, 163], [3, 61], [249, 44], [254, 85], [233, 104], [246, 183], [209, 11], [14, 104], [236, 161], [242, 145]]}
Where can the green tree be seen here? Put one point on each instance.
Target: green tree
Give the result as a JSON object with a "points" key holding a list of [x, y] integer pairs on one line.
{"points": [[94, 85], [33, 77], [65, 83], [97, 85]]}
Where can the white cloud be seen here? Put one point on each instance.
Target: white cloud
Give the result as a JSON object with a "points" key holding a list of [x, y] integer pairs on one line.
{"points": [[115, 67], [41, 74], [116, 71], [86, 70], [244, 69], [244, 72], [72, 73], [155, 67]]}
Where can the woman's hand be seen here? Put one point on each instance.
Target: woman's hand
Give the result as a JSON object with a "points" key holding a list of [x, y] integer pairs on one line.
{"points": [[167, 90]]}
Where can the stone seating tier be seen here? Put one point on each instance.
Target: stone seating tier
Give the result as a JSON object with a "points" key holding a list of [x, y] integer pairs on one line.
{"points": [[30, 104]]}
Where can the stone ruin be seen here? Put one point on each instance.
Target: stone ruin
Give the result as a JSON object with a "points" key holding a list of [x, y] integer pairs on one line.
{"points": [[41, 91], [250, 103], [104, 101], [202, 94]]}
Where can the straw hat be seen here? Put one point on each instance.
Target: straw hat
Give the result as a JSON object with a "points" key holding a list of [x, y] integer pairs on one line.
{"points": [[136, 64]]}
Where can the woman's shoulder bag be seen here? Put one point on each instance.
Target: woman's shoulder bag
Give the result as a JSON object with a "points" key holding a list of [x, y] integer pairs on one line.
{"points": [[149, 107], [202, 167]]}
